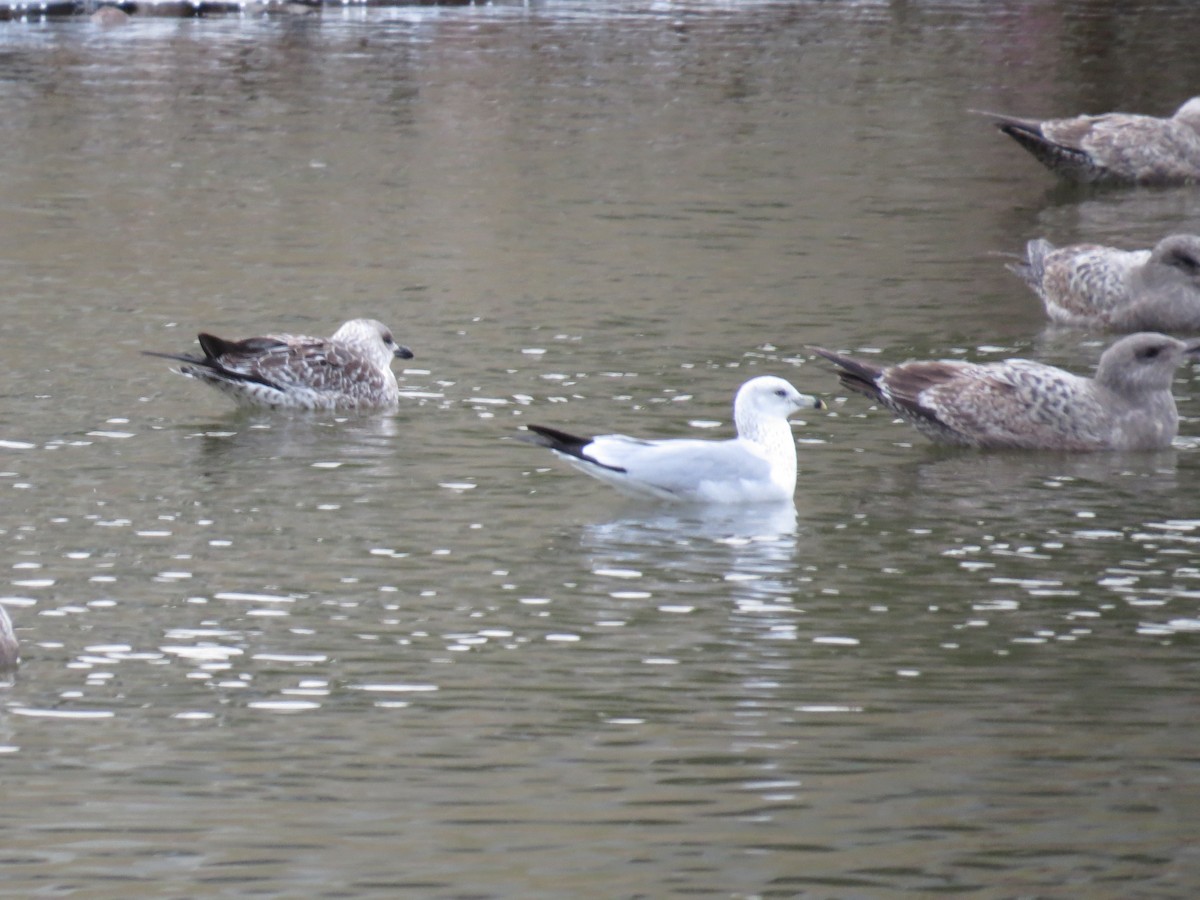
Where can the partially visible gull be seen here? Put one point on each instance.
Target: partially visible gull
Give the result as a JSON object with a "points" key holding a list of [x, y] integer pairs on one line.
{"points": [[1121, 290], [1019, 404], [757, 466], [349, 371], [10, 652], [1114, 148]]}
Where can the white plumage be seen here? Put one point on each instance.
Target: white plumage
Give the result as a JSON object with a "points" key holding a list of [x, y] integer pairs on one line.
{"points": [[757, 466]]}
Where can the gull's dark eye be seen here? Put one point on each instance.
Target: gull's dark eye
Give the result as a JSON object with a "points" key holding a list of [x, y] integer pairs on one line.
{"points": [[387, 338], [780, 392], [1184, 262], [1151, 352]]}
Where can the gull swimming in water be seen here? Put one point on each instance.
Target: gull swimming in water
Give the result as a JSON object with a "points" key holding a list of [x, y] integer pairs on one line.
{"points": [[1019, 404], [1121, 290], [349, 371], [10, 651], [1114, 148], [757, 466]]}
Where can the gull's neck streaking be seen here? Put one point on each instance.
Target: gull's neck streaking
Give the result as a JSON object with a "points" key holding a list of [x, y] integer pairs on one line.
{"points": [[773, 435], [366, 336]]}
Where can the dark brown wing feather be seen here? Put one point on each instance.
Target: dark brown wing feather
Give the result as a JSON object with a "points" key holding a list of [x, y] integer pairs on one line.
{"points": [[912, 390], [217, 347], [906, 382], [231, 360], [900, 389], [1061, 158], [855, 374]]}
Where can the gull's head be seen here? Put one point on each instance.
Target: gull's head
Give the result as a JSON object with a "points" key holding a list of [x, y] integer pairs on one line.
{"points": [[1189, 113], [1180, 254], [373, 338], [1145, 362], [770, 397]]}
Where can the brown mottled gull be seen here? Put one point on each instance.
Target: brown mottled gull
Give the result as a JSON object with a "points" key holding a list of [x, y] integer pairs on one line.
{"points": [[1114, 148], [1019, 404], [1121, 290], [10, 652], [758, 466], [349, 371]]}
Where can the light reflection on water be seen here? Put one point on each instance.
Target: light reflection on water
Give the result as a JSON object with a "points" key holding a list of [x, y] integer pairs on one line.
{"points": [[406, 654], [726, 677]]}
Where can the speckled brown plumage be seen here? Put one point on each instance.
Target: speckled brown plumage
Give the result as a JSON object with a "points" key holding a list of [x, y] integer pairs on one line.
{"points": [[1020, 404], [1114, 148], [1122, 290], [349, 371]]}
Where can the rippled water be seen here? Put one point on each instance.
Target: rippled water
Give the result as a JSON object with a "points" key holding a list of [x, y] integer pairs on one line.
{"points": [[408, 655]]}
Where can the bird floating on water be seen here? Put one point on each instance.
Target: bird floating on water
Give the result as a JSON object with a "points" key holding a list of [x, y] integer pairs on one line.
{"points": [[1114, 148], [349, 371], [757, 466], [1019, 404], [10, 651], [1121, 290]]}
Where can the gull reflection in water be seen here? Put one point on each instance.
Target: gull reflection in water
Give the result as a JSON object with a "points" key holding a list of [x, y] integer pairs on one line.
{"points": [[749, 550]]}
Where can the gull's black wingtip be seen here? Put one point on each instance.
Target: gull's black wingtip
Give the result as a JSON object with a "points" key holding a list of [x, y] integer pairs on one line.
{"points": [[562, 441]]}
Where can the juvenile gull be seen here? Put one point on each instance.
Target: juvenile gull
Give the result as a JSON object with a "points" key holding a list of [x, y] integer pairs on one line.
{"points": [[1114, 148], [349, 371], [1019, 404], [10, 652], [757, 466], [1121, 290]]}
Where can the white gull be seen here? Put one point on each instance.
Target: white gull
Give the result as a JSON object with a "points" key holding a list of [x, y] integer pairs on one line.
{"points": [[1114, 148], [1121, 290], [758, 466], [1019, 404], [349, 371]]}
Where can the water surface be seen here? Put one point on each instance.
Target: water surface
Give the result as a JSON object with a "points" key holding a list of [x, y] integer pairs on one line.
{"points": [[408, 655]]}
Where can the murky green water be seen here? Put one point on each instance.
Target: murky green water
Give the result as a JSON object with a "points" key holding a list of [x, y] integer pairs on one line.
{"points": [[408, 656]]}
